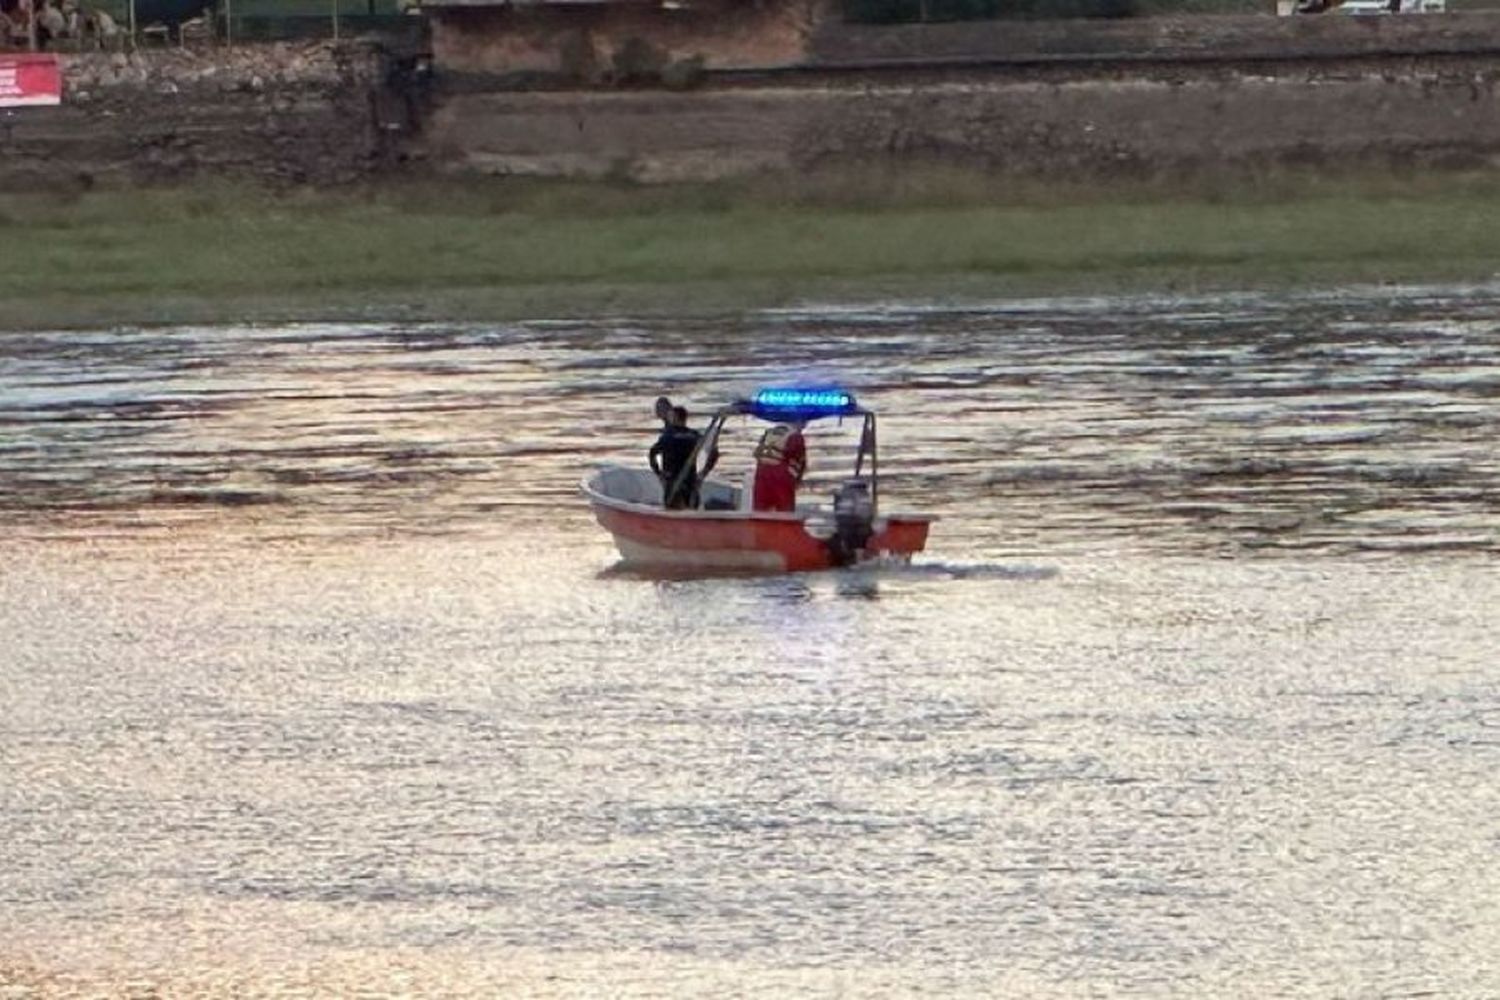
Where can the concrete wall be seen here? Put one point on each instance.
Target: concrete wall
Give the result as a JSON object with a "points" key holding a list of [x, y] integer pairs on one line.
{"points": [[1181, 38], [1080, 98], [1189, 121], [496, 41]]}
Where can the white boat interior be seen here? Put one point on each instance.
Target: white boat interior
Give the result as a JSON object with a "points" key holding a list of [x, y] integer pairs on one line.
{"points": [[640, 487]]}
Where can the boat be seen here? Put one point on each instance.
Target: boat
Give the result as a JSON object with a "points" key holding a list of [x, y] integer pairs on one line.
{"points": [[721, 531]]}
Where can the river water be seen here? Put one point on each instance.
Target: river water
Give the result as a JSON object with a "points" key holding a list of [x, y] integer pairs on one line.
{"points": [[318, 679]]}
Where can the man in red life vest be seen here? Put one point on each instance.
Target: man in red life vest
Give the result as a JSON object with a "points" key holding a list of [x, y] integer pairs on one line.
{"points": [[780, 462]]}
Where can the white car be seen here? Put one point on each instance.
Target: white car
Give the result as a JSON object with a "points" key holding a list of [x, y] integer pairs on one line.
{"points": [[1385, 7], [1364, 7]]}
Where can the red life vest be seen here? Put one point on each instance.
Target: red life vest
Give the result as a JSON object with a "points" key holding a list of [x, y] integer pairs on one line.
{"points": [[783, 445]]}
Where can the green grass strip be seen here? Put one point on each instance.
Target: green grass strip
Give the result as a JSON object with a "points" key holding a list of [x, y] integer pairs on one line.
{"points": [[517, 249]]}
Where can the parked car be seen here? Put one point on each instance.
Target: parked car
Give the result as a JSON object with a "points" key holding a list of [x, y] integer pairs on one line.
{"points": [[1361, 7]]}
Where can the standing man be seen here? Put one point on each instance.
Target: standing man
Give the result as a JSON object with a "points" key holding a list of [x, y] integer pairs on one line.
{"points": [[671, 458], [780, 464]]}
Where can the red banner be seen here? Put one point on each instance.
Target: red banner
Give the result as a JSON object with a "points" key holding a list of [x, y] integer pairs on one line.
{"points": [[30, 78]]}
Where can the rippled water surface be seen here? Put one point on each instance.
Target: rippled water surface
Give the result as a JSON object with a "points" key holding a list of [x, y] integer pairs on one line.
{"points": [[318, 679]]}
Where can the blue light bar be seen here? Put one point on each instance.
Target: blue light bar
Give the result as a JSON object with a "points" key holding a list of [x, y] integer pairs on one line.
{"points": [[809, 402]]}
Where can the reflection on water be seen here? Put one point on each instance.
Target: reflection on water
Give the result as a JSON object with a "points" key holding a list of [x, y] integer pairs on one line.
{"points": [[318, 679], [1333, 424]]}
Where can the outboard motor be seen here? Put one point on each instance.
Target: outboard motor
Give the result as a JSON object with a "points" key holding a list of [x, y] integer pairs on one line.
{"points": [[853, 521]]}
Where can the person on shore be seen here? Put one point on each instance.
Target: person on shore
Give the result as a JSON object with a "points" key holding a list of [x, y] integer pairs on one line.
{"points": [[101, 29], [18, 24], [780, 464], [671, 458], [51, 25]]}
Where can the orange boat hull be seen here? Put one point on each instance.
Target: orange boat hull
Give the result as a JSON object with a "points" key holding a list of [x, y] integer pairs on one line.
{"points": [[734, 540]]}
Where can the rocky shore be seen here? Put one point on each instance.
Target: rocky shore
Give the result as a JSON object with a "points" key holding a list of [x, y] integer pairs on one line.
{"points": [[278, 112]]}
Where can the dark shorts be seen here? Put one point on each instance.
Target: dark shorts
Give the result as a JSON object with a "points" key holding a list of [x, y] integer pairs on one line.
{"points": [[684, 497]]}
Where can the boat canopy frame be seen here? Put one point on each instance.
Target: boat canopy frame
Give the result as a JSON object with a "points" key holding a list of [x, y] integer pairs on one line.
{"points": [[765, 406]]}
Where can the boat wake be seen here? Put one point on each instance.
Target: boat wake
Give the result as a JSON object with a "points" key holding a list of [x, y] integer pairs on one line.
{"points": [[873, 570], [949, 570]]}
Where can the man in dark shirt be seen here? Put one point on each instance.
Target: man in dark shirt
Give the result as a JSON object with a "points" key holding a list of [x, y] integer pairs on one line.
{"points": [[671, 458]]}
